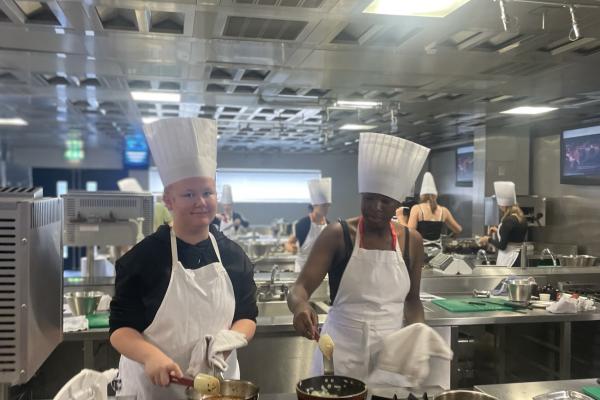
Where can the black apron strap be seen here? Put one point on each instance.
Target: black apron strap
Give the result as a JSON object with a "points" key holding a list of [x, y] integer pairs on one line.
{"points": [[406, 252]]}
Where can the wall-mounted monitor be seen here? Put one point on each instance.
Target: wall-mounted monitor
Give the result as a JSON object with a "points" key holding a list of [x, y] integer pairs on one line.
{"points": [[464, 166], [135, 152], [580, 156]]}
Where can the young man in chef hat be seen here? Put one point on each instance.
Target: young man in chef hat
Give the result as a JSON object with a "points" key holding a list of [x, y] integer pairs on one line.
{"points": [[374, 265], [183, 288], [308, 229], [229, 221]]}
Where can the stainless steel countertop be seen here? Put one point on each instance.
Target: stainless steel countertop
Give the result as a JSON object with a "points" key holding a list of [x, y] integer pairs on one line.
{"points": [[522, 391]]}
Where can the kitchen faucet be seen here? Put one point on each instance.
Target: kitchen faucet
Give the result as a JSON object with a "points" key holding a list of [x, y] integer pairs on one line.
{"points": [[274, 274], [549, 252], [482, 254]]}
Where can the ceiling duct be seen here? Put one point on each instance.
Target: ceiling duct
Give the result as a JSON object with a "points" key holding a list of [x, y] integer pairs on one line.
{"points": [[352, 32], [37, 12], [263, 28], [283, 3], [167, 22], [121, 19]]}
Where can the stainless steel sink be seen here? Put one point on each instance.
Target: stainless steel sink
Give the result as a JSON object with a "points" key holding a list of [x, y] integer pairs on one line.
{"points": [[280, 308]]}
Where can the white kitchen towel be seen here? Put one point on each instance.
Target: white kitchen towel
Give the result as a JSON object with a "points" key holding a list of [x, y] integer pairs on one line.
{"points": [[407, 352], [76, 323], [224, 341], [565, 305], [104, 303], [198, 360]]}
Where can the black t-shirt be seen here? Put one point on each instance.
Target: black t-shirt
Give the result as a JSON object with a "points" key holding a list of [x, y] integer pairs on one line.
{"points": [[144, 272], [511, 231], [302, 227]]}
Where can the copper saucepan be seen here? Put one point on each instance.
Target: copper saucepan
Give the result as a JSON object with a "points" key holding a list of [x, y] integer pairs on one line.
{"points": [[231, 389]]}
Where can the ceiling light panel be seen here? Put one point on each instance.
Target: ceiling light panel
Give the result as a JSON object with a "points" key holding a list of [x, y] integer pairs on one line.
{"points": [[529, 110], [159, 97], [13, 121], [415, 8], [357, 127]]}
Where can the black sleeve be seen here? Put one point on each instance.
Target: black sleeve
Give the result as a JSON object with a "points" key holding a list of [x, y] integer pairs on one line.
{"points": [[508, 226], [127, 307], [301, 228], [244, 223]]}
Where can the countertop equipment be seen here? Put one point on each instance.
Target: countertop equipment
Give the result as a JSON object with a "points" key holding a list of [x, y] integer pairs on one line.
{"points": [[106, 218], [453, 264], [31, 264], [589, 290]]}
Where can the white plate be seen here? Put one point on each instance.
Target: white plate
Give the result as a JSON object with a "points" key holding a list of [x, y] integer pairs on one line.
{"points": [[541, 304]]}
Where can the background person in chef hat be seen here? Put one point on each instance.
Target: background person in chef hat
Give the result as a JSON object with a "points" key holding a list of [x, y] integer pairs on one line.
{"points": [[512, 231], [308, 229], [374, 265], [229, 221], [184, 296], [161, 212], [429, 218]]}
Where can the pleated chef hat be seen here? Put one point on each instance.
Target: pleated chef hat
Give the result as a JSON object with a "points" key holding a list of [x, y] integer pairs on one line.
{"points": [[506, 194], [226, 195], [183, 148], [320, 191], [428, 184], [388, 165], [129, 185]]}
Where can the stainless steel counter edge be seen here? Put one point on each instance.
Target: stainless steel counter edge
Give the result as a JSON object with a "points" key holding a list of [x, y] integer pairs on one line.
{"points": [[527, 390]]}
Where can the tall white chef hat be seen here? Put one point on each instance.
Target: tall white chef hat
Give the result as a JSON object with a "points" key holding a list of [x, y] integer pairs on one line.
{"points": [[183, 148], [428, 184], [226, 195], [388, 165], [129, 185], [320, 191], [506, 194]]}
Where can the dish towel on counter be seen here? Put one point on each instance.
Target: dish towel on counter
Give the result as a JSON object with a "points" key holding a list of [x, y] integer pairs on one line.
{"points": [[569, 305], [76, 323], [208, 352], [407, 352], [592, 391]]}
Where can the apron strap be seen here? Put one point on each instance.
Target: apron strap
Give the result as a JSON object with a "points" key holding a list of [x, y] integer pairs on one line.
{"points": [[215, 247], [174, 255]]}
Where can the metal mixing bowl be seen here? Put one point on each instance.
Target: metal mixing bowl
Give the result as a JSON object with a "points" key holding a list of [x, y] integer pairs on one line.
{"points": [[463, 395], [83, 303], [231, 389]]}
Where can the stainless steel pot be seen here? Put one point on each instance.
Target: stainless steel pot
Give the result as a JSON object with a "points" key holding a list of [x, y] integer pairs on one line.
{"points": [[463, 395], [519, 290], [577, 261], [231, 389]]}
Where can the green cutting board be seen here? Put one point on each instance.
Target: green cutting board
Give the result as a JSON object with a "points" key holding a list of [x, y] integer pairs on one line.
{"points": [[592, 391], [462, 305], [97, 320]]}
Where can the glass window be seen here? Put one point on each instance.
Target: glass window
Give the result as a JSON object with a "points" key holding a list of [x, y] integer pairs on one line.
{"points": [[62, 187], [91, 186]]}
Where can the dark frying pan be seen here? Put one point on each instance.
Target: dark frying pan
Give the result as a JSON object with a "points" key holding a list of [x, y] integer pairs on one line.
{"points": [[337, 387]]}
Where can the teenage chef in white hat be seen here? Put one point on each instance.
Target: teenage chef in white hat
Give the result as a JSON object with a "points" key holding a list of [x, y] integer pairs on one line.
{"points": [[161, 212], [429, 218], [183, 286], [374, 265], [229, 221], [308, 229], [508, 237]]}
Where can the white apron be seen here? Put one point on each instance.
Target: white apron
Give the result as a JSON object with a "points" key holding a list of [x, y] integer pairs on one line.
{"points": [[198, 302], [228, 228], [369, 306], [304, 250], [508, 256]]}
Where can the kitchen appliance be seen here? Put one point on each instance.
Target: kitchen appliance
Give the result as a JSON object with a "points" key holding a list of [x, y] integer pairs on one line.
{"points": [[331, 387], [454, 264], [32, 270], [106, 218]]}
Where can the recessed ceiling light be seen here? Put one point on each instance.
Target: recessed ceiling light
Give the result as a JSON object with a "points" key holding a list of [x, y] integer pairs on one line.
{"points": [[415, 8], [161, 97], [13, 121], [357, 104], [357, 127], [90, 33], [529, 110], [59, 31], [61, 55], [91, 58], [149, 120]]}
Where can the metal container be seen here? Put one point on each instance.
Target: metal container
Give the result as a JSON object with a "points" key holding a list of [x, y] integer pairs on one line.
{"points": [[585, 261], [83, 303], [331, 387], [463, 395], [567, 261], [231, 389], [519, 290]]}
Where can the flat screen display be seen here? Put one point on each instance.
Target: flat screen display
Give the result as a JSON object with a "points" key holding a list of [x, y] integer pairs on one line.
{"points": [[464, 166], [580, 156], [135, 152]]}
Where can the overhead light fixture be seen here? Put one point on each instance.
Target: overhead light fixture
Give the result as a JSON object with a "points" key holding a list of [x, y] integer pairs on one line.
{"points": [[500, 98], [357, 127], [90, 33], [503, 15], [574, 34], [415, 8], [59, 31], [91, 58], [13, 121], [357, 104], [529, 110], [149, 120], [61, 55], [161, 97]]}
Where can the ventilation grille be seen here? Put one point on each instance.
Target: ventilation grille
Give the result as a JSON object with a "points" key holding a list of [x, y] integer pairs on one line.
{"points": [[45, 213], [21, 192], [283, 3], [8, 282], [262, 28], [107, 203]]}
